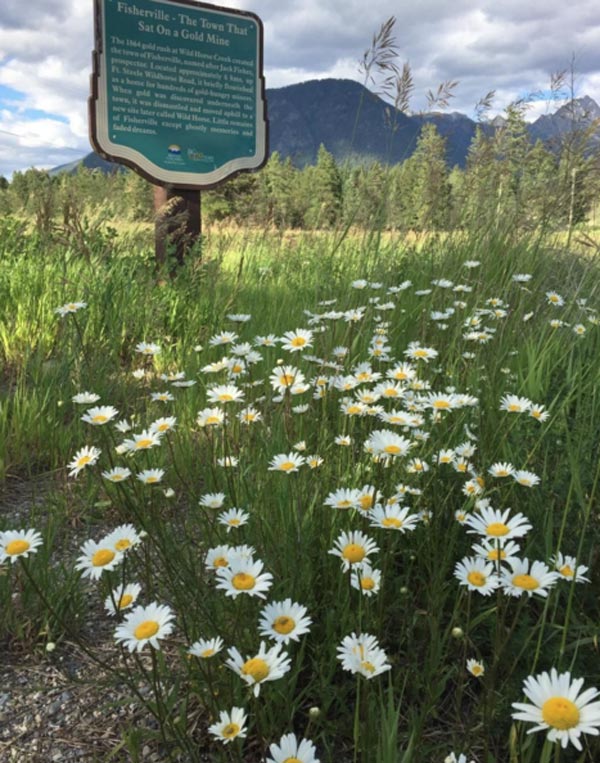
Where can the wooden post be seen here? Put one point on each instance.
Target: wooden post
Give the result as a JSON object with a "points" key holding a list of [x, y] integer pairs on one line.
{"points": [[177, 223]]}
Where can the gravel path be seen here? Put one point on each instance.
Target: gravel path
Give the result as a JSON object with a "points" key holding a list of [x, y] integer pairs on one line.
{"points": [[54, 706]]}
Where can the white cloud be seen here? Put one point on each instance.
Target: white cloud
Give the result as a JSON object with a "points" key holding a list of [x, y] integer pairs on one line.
{"points": [[511, 46]]}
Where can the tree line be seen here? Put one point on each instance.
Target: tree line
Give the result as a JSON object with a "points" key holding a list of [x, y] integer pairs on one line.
{"points": [[506, 177]]}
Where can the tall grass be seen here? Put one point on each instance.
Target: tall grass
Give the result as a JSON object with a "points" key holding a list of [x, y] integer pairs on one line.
{"points": [[427, 704]]}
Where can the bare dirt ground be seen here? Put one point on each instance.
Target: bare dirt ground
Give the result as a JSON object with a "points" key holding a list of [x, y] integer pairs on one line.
{"points": [[54, 706]]}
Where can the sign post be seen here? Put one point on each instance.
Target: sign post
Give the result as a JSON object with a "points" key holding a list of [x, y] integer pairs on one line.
{"points": [[178, 95]]}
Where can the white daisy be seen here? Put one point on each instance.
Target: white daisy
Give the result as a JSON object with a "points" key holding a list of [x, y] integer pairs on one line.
{"points": [[85, 398], [289, 750], [366, 579], [18, 543], [230, 725], [145, 625], [233, 518], [117, 474], [362, 654], [151, 476], [559, 707], [393, 517], [494, 524], [353, 548], [212, 500], [122, 598], [243, 576], [97, 558], [568, 569], [86, 456], [284, 621], [477, 574], [268, 665], [525, 578], [99, 415], [206, 648], [122, 538], [287, 463]]}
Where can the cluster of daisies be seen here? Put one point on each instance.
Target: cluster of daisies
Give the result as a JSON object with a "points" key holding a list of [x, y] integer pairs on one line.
{"points": [[388, 410], [497, 563]]}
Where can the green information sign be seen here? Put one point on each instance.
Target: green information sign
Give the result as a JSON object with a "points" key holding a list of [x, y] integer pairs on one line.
{"points": [[178, 90]]}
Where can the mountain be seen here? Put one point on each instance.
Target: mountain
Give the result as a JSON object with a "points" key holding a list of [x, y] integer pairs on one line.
{"points": [[91, 162], [578, 114], [356, 125]]}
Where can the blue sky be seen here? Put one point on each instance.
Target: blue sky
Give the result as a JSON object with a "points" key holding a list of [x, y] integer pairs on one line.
{"points": [[510, 46]]}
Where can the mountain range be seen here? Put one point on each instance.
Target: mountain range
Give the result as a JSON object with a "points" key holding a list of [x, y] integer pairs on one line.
{"points": [[355, 124]]}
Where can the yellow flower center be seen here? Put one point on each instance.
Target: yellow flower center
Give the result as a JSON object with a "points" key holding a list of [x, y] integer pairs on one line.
{"points": [[353, 553], [256, 668], [460, 467], [284, 624], [234, 522], [367, 584], [368, 666], [147, 629], [207, 653], [213, 420], [220, 561], [99, 418], [567, 571], [476, 578], [494, 554], [514, 407], [287, 379], [560, 713], [353, 410], [365, 502], [103, 557], [292, 760], [145, 443], [117, 477], [527, 582], [151, 480], [83, 461], [391, 522], [345, 504], [441, 404], [16, 547], [124, 601], [393, 450], [243, 582], [225, 397], [298, 341], [497, 529], [287, 466], [163, 427], [477, 670], [420, 353], [123, 544], [230, 731]]}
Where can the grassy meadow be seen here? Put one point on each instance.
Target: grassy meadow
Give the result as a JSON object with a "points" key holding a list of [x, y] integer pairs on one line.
{"points": [[268, 474]]}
